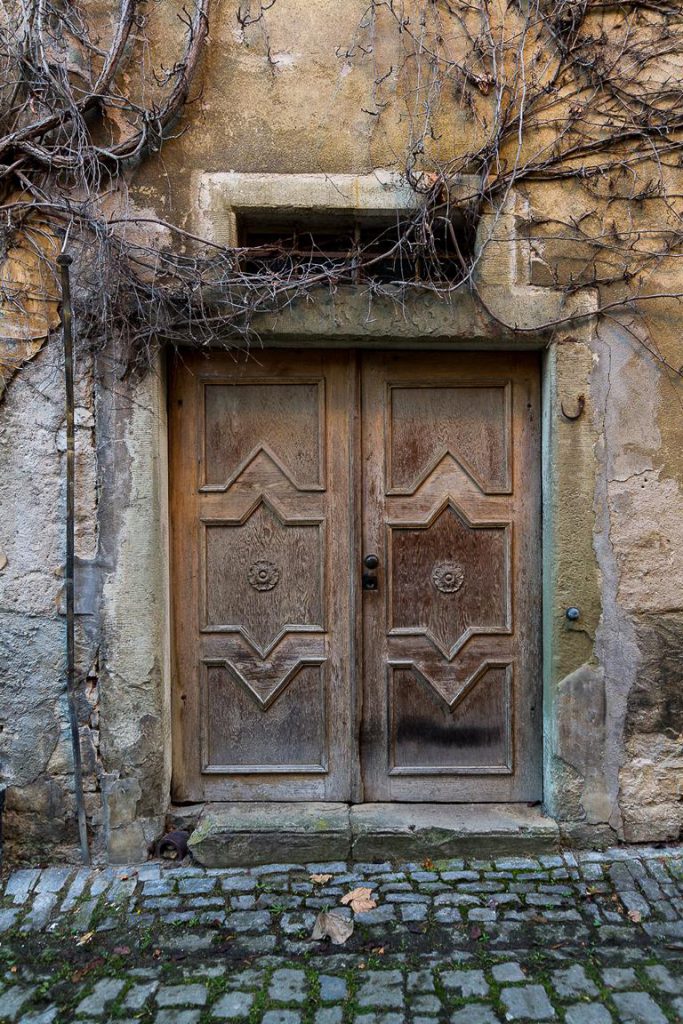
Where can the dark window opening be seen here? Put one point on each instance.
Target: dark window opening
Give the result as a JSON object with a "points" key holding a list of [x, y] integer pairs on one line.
{"points": [[369, 248]]}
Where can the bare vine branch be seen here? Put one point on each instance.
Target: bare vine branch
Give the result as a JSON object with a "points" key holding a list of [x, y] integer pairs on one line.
{"points": [[587, 93]]}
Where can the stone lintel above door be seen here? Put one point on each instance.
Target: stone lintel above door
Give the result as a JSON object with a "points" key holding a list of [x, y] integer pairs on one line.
{"points": [[504, 309]]}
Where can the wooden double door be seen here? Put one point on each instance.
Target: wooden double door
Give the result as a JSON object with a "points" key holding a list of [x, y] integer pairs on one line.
{"points": [[356, 576]]}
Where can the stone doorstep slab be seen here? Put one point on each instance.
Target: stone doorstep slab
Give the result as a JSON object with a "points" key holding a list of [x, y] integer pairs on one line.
{"points": [[246, 834]]}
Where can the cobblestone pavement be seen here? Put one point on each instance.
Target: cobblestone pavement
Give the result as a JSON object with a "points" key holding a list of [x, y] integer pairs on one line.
{"points": [[583, 938]]}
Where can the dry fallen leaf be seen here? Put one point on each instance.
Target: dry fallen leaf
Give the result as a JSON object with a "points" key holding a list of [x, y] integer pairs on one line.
{"points": [[360, 900], [362, 906], [83, 972], [428, 864], [635, 916], [333, 926], [320, 879], [84, 939]]}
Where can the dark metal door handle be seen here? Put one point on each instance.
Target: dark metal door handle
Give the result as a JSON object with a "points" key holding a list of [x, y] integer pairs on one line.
{"points": [[371, 562]]}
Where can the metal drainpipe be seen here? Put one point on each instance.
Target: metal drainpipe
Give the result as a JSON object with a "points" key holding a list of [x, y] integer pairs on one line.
{"points": [[2, 809], [64, 262]]}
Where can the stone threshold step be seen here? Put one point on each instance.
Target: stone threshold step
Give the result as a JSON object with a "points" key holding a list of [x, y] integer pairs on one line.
{"points": [[246, 834]]}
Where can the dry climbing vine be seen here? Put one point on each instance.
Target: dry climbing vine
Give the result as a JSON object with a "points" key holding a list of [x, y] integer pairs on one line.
{"points": [[583, 94]]}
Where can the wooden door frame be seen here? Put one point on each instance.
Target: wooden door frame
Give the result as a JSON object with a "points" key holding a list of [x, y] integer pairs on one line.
{"points": [[558, 364], [137, 586]]}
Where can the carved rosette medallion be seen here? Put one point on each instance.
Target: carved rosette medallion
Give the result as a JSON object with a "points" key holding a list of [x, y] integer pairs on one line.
{"points": [[448, 577], [263, 575]]}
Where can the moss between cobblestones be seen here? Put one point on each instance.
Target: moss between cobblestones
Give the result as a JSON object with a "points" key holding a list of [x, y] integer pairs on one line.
{"points": [[405, 944], [647, 986]]}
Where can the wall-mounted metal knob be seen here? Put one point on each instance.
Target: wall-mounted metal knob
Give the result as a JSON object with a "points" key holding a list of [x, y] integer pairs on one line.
{"points": [[371, 561], [573, 614]]}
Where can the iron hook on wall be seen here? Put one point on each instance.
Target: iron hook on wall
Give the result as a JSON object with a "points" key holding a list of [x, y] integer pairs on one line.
{"points": [[580, 406]]}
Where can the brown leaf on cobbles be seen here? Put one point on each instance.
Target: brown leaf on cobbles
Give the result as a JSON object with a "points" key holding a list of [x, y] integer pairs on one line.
{"points": [[635, 916], [475, 932], [361, 893], [156, 954], [362, 906], [82, 972], [320, 879], [360, 900], [333, 926], [84, 939], [428, 864]]}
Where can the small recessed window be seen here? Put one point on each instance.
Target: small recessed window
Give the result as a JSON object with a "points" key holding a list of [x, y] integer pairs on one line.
{"points": [[372, 247]]}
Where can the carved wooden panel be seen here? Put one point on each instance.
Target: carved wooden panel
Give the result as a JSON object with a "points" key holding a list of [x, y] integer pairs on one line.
{"points": [[431, 736], [448, 578], [261, 516], [452, 707], [282, 419], [262, 577], [234, 741], [467, 422]]}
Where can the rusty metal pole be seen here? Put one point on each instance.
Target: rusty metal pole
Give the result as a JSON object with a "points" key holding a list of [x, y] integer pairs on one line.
{"points": [[64, 262]]}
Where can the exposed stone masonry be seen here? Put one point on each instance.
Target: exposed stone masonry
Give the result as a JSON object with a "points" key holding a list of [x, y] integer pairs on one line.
{"points": [[585, 938]]}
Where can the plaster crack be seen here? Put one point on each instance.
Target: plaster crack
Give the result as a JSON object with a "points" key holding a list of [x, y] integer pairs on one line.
{"points": [[630, 476]]}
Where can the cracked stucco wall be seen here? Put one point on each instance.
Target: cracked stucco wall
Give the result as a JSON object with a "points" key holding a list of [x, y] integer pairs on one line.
{"points": [[614, 689], [122, 643], [35, 746], [639, 541]]}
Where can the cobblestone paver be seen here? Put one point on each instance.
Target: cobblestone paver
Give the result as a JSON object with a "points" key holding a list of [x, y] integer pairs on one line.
{"points": [[572, 938]]}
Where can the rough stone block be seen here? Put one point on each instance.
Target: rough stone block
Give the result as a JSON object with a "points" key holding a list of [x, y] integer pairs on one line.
{"points": [[510, 972], [526, 1003], [232, 1005], [288, 986], [381, 989], [181, 995], [332, 989], [465, 983], [104, 992], [127, 844], [260, 833], [638, 1008], [416, 831], [588, 1013]]}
